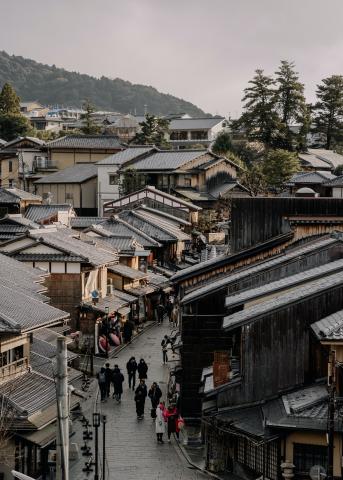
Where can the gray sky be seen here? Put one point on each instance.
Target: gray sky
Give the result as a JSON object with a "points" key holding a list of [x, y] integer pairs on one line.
{"points": [[202, 50]]}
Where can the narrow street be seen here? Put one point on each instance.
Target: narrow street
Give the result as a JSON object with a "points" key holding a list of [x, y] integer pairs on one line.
{"points": [[131, 448]]}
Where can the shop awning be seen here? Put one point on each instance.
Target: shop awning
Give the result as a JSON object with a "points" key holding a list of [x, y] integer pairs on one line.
{"points": [[42, 437], [114, 302], [124, 311]]}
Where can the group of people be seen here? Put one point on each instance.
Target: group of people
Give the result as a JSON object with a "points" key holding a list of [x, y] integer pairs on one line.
{"points": [[166, 419], [167, 305]]}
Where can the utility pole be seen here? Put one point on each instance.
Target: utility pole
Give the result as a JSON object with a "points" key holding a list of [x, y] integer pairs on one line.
{"points": [[331, 411], [62, 437], [104, 419]]}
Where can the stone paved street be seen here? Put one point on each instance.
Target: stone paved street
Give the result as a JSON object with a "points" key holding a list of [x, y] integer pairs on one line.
{"points": [[131, 448]]}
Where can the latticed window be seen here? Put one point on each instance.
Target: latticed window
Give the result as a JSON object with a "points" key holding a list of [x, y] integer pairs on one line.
{"points": [[305, 456], [261, 458]]}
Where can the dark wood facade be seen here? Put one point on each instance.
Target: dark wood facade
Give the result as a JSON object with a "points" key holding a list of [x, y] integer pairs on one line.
{"points": [[255, 220]]}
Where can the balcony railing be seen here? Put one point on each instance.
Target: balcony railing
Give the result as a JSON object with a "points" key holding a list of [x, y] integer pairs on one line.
{"points": [[13, 368]]}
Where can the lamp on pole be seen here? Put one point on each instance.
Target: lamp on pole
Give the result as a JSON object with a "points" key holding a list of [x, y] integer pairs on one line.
{"points": [[96, 425], [104, 419], [107, 309]]}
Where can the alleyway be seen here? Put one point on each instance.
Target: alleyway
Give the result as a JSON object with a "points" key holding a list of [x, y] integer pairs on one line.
{"points": [[131, 448]]}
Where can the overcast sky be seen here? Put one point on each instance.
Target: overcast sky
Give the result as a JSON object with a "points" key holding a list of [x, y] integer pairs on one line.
{"points": [[204, 51]]}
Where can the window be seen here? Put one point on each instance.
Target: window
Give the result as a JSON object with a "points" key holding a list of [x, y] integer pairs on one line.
{"points": [[199, 135], [178, 135], [259, 458], [113, 179], [69, 196], [10, 166], [305, 456], [10, 183], [188, 181]]}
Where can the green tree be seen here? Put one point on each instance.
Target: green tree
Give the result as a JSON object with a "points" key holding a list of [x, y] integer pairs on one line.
{"points": [[290, 104], [259, 119], [89, 126], [9, 101], [278, 167], [12, 122], [329, 109], [153, 132], [253, 178], [130, 181], [222, 143], [338, 170]]}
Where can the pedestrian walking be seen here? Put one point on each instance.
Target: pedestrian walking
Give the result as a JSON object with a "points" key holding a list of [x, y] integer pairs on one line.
{"points": [[160, 313], [142, 370], [108, 374], [102, 383], [164, 346], [117, 379], [160, 423], [131, 368], [171, 416], [140, 396], [175, 316], [169, 309], [155, 395]]}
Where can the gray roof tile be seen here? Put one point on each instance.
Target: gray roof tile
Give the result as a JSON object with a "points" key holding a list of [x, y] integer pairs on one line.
{"points": [[79, 173], [167, 160], [38, 213], [102, 142], [127, 272], [84, 222], [126, 155], [204, 123]]}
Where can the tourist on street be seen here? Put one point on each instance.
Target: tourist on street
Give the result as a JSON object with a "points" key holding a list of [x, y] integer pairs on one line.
{"points": [[164, 346], [171, 416], [154, 394], [140, 396], [127, 331], [160, 313], [117, 379], [131, 368], [142, 370], [175, 316], [102, 383], [160, 423], [108, 373]]}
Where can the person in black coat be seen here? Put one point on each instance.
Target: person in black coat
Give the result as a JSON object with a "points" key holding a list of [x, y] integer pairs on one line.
{"points": [[155, 394], [140, 396], [117, 380], [127, 331], [108, 374], [142, 370], [131, 368]]}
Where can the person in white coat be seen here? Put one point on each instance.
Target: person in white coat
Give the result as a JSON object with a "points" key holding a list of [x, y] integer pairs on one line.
{"points": [[160, 423]]}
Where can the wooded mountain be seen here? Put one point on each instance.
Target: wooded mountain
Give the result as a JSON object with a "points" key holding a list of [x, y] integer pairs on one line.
{"points": [[55, 86]]}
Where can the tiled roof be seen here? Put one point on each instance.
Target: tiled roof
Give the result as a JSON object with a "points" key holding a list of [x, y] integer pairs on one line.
{"points": [[20, 312], [158, 214], [47, 367], [285, 299], [48, 349], [284, 283], [163, 231], [332, 158], [79, 173], [121, 243], [114, 301], [16, 219], [8, 197], [194, 195], [329, 328], [195, 123], [310, 178], [313, 161], [31, 392], [63, 240], [118, 226], [127, 272], [86, 142], [167, 160], [24, 195], [235, 276], [126, 155], [39, 213], [29, 290], [20, 274], [84, 222], [14, 229], [47, 257], [335, 182]]}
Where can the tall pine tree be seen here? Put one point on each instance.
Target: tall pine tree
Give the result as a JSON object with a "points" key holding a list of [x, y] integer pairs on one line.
{"points": [[329, 109], [89, 127], [12, 123], [153, 131], [259, 120], [290, 105], [9, 101]]}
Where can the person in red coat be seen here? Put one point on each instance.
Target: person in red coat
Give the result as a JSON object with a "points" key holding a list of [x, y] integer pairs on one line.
{"points": [[172, 417]]}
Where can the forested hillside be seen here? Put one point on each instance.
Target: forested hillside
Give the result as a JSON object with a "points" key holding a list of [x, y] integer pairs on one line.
{"points": [[50, 86]]}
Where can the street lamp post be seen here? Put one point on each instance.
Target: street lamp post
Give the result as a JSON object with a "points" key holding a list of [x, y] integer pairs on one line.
{"points": [[107, 343], [104, 419], [96, 425]]}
